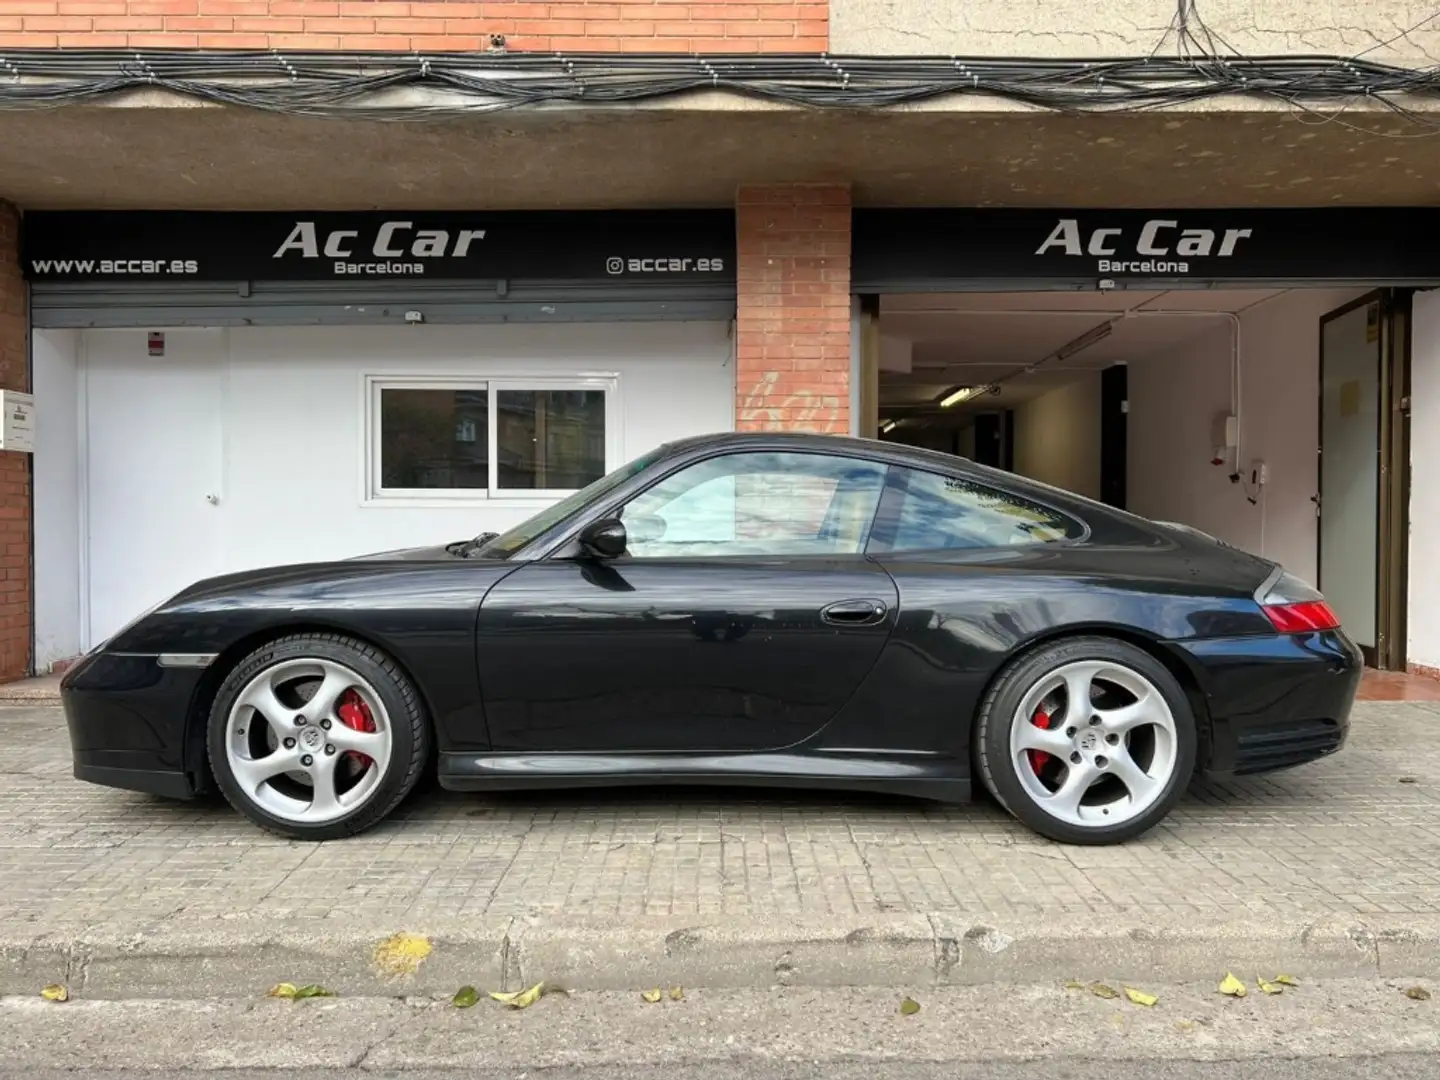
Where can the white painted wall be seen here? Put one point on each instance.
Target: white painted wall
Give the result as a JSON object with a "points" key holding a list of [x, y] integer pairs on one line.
{"points": [[55, 355], [291, 445], [1057, 437], [1423, 609], [1175, 399]]}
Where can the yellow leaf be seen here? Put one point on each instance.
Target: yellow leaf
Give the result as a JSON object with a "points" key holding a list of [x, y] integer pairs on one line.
{"points": [[312, 992], [529, 997], [1101, 990], [465, 997], [1269, 987], [677, 994], [909, 1006], [1418, 993], [283, 990], [1074, 984], [402, 954], [519, 999], [651, 996], [1287, 980], [1139, 997], [1232, 987], [55, 992]]}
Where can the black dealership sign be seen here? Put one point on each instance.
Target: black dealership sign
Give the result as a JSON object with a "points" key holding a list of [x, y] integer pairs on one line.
{"points": [[640, 246], [915, 246]]}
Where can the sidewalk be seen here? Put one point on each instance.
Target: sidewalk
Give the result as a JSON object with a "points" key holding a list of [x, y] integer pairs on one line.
{"points": [[1333, 869]]}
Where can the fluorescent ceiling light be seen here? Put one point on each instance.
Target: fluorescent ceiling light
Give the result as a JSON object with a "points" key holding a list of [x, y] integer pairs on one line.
{"points": [[887, 427], [963, 393]]}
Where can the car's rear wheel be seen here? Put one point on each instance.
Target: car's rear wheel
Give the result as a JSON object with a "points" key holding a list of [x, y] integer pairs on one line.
{"points": [[317, 736], [1087, 741]]}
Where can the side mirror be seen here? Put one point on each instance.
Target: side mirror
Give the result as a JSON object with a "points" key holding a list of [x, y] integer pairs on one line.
{"points": [[605, 538]]}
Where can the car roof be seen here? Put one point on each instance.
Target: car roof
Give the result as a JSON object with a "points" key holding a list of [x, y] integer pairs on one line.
{"points": [[822, 443], [817, 441]]}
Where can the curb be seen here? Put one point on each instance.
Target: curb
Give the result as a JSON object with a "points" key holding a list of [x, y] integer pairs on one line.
{"points": [[20, 694], [218, 960]]}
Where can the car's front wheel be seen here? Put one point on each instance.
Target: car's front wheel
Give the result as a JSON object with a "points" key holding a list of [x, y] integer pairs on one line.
{"points": [[317, 736], [1087, 741]]}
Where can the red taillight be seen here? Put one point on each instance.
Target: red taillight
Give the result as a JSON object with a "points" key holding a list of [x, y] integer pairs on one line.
{"points": [[1301, 618], [1293, 607]]}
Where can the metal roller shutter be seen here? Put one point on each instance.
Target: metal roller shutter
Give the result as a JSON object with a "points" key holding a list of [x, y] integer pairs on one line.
{"points": [[146, 305]]}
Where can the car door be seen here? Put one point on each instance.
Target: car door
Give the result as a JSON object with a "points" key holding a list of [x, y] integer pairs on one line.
{"points": [[741, 618]]}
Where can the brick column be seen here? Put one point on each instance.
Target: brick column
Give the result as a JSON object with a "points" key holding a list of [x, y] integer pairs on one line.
{"points": [[792, 363], [16, 609]]}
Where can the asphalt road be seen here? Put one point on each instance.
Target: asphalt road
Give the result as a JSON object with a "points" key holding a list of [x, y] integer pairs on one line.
{"points": [[1387, 1067], [1343, 1028]]}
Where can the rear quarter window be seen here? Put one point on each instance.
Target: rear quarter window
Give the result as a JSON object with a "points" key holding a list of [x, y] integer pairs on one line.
{"points": [[932, 512]]}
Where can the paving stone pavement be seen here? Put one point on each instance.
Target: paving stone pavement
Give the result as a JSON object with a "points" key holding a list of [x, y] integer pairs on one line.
{"points": [[1342, 836]]}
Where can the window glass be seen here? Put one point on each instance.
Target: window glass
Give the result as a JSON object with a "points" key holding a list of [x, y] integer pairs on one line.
{"points": [[757, 504], [549, 440], [434, 438], [942, 512], [511, 541]]}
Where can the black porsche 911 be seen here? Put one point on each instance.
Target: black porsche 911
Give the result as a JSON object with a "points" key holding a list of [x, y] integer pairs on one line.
{"points": [[774, 609]]}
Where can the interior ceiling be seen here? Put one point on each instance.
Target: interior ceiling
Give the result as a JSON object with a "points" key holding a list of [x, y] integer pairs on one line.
{"points": [[974, 339]]}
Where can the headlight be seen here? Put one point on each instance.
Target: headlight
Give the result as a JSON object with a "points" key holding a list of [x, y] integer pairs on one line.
{"points": [[129, 625]]}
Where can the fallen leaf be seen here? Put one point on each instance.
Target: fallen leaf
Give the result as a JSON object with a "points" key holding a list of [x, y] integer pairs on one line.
{"points": [[1418, 993], [909, 1006], [1074, 984], [55, 992], [312, 991], [283, 990], [1232, 987], [402, 954], [465, 997], [1269, 987], [519, 999], [677, 994], [1287, 980], [1139, 997], [651, 996], [1407, 780], [1102, 991]]}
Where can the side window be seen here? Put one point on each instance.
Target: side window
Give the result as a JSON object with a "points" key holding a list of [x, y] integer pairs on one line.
{"points": [[757, 504], [943, 513]]}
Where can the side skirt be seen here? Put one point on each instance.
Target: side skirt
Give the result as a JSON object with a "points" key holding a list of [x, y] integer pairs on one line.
{"points": [[917, 776]]}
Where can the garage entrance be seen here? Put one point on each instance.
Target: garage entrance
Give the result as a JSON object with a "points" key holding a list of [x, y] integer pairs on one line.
{"points": [[1272, 415]]}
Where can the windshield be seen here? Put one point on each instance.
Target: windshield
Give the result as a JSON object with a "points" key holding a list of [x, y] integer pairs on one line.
{"points": [[511, 541]]}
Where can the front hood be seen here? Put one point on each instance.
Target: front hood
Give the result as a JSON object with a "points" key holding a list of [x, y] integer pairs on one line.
{"points": [[437, 553]]}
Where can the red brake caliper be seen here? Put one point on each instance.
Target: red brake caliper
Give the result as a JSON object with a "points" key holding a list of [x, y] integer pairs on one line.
{"points": [[354, 713], [1038, 758]]}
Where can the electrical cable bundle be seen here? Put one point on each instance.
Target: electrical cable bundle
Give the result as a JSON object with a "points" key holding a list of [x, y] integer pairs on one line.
{"points": [[328, 83], [1204, 66]]}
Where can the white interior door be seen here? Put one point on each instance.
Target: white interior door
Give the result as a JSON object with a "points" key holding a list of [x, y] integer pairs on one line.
{"points": [[154, 470], [1350, 468]]}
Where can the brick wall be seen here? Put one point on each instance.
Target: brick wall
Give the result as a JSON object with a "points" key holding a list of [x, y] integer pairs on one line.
{"points": [[15, 555], [793, 315], [435, 25]]}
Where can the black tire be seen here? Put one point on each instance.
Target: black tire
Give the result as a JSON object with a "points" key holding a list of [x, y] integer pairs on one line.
{"points": [[410, 732], [998, 768]]}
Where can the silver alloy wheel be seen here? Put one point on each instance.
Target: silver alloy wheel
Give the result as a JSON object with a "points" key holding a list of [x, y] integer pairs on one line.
{"points": [[1110, 749], [290, 752]]}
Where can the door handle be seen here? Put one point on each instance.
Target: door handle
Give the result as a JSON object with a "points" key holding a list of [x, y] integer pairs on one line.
{"points": [[855, 613]]}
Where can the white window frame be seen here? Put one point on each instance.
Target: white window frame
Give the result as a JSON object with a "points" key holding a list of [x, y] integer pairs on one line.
{"points": [[374, 384]]}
